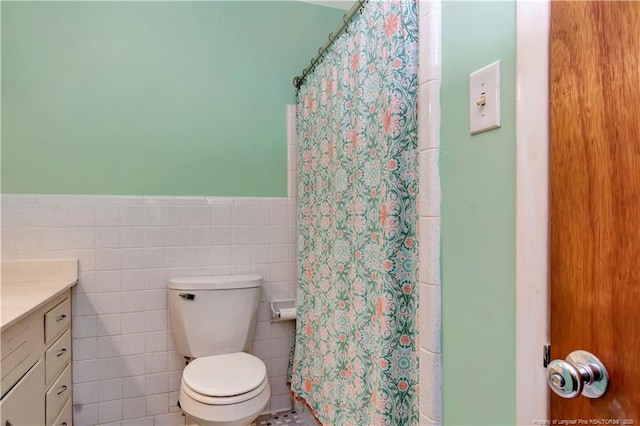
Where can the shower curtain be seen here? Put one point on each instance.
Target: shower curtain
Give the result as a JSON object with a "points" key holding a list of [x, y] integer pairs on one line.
{"points": [[355, 360]]}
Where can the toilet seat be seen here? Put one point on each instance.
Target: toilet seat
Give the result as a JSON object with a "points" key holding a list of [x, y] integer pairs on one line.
{"points": [[225, 400], [225, 379]]}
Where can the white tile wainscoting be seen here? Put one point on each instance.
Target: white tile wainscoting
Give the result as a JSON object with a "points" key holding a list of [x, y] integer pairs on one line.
{"points": [[125, 366]]}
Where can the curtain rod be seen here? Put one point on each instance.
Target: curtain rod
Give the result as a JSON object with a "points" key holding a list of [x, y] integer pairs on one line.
{"points": [[346, 19]]}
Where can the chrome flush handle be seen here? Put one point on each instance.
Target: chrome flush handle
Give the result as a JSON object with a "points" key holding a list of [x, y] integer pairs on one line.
{"points": [[580, 374]]}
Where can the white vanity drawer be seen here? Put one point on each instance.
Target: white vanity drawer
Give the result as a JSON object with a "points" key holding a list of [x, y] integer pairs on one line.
{"points": [[66, 415], [19, 351], [58, 394], [24, 404], [58, 355], [56, 320]]}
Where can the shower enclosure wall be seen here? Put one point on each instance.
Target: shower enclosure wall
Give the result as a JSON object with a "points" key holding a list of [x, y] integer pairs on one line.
{"points": [[429, 211]]}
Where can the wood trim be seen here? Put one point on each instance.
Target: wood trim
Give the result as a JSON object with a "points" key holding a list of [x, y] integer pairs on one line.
{"points": [[532, 207]]}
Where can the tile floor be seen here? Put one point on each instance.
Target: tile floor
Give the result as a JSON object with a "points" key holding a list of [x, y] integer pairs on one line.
{"points": [[278, 419]]}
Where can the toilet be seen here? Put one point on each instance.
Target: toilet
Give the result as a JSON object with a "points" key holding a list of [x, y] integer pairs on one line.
{"points": [[213, 319]]}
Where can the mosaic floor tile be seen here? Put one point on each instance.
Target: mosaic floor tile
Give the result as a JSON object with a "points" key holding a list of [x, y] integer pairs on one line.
{"points": [[278, 419]]}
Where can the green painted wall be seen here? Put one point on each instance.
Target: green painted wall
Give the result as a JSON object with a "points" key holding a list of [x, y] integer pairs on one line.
{"points": [[165, 98], [478, 221]]}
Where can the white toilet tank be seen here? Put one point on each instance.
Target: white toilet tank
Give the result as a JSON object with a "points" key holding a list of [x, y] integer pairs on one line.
{"points": [[214, 315]]}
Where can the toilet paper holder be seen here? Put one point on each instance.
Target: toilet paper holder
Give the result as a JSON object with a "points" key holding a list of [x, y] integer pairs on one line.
{"points": [[283, 310]]}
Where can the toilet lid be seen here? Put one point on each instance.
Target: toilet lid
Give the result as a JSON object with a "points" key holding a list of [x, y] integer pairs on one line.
{"points": [[225, 375]]}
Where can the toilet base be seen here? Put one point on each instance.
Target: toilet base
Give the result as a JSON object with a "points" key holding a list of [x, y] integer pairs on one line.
{"points": [[240, 414], [192, 421]]}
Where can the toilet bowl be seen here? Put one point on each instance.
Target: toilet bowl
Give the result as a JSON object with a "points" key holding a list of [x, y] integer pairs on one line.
{"points": [[230, 389]]}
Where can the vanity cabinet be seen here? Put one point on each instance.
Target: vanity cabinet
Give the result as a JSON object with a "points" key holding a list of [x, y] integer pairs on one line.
{"points": [[36, 380]]}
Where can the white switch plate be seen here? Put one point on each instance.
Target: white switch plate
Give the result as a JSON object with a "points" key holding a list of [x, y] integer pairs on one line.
{"points": [[484, 117]]}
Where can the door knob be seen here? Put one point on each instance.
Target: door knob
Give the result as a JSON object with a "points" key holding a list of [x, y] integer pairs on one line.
{"points": [[580, 374]]}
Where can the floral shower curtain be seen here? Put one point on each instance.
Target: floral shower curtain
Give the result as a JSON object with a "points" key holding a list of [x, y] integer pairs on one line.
{"points": [[355, 359]]}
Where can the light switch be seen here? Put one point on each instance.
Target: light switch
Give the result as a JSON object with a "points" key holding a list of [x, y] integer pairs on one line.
{"points": [[484, 99]]}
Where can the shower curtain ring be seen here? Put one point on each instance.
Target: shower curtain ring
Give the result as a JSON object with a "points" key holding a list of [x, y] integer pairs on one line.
{"points": [[346, 24]]}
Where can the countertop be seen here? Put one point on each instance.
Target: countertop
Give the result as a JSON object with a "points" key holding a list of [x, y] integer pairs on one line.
{"points": [[27, 285]]}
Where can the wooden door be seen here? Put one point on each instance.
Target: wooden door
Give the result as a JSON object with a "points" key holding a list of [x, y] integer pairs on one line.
{"points": [[595, 200]]}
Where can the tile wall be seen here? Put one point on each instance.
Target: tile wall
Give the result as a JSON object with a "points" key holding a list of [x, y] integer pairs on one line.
{"points": [[125, 366], [429, 209]]}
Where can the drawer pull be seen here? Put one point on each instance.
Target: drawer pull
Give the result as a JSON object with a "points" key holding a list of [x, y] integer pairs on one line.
{"points": [[62, 389], [8, 423], [60, 317], [61, 352], [64, 424]]}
